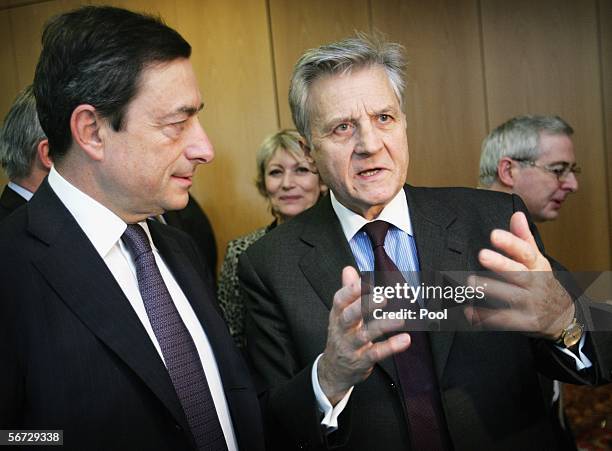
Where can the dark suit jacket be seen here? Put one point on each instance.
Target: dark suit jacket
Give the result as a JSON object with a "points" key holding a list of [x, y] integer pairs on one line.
{"points": [[9, 201], [488, 381], [193, 221], [73, 353]]}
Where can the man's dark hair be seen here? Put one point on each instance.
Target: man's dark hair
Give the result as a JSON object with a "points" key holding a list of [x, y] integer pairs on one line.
{"points": [[95, 55]]}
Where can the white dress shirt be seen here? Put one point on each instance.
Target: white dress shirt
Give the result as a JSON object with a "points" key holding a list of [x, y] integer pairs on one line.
{"points": [[104, 229]]}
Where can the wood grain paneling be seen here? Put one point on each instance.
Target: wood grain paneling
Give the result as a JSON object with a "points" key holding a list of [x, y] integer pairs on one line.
{"points": [[444, 95], [542, 57], [6, 4], [472, 65], [27, 24], [297, 26], [605, 18], [166, 9], [233, 61], [8, 76]]}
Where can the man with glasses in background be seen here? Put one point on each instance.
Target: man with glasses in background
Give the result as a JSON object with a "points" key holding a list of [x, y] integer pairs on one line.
{"points": [[533, 156]]}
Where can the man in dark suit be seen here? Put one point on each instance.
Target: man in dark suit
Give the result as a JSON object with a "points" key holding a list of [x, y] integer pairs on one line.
{"points": [[193, 221], [110, 332], [334, 383], [24, 153], [533, 156]]}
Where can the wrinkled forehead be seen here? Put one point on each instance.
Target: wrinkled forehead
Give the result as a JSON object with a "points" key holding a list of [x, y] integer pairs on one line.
{"points": [[348, 93]]}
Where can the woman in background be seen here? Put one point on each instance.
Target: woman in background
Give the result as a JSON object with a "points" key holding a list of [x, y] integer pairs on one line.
{"points": [[291, 184]]}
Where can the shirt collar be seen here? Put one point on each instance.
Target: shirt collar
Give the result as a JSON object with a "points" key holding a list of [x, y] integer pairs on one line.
{"points": [[396, 212], [27, 195], [103, 227]]}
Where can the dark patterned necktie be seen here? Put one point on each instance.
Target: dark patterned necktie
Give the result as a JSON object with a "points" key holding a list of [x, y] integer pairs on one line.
{"points": [[177, 346], [427, 429]]}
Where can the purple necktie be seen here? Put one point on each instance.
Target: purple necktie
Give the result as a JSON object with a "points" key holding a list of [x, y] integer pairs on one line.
{"points": [[177, 346], [415, 365]]}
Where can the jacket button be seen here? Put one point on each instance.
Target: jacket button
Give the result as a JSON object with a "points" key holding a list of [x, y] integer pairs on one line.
{"points": [[178, 427]]}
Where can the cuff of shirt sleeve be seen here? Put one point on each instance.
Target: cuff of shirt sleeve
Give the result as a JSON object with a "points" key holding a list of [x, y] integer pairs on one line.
{"points": [[582, 361], [330, 413]]}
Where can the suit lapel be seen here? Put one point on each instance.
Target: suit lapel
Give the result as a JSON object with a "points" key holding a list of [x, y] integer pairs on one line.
{"points": [[74, 269], [438, 250], [330, 252]]}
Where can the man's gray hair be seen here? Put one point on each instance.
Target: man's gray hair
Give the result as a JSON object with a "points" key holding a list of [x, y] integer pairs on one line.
{"points": [[343, 57], [20, 136], [517, 138]]}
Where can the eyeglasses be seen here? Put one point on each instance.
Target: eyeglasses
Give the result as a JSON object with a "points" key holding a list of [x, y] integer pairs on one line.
{"points": [[560, 170]]}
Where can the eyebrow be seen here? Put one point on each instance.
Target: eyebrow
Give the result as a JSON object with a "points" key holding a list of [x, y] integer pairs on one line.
{"points": [[340, 119], [562, 162], [188, 110]]}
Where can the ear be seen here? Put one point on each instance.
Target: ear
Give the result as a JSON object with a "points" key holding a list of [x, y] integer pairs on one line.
{"points": [[305, 148], [505, 172], [324, 188], [43, 154], [85, 125]]}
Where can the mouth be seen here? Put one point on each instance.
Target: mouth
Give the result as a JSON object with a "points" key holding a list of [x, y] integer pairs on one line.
{"points": [[290, 198], [185, 180], [557, 202], [369, 173]]}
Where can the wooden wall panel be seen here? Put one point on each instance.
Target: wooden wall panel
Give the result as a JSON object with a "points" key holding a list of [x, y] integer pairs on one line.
{"points": [[542, 57], [472, 64], [605, 40], [166, 9], [27, 23], [8, 74], [233, 61], [298, 25], [444, 96], [6, 4]]}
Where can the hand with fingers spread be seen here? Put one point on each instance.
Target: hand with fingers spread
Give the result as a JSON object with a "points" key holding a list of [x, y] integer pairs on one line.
{"points": [[535, 300], [350, 353]]}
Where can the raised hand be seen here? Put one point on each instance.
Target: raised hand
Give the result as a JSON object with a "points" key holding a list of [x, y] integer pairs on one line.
{"points": [[535, 301], [350, 353]]}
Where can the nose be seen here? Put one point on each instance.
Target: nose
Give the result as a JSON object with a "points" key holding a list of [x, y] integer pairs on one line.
{"points": [[199, 148], [287, 182], [369, 140], [570, 183]]}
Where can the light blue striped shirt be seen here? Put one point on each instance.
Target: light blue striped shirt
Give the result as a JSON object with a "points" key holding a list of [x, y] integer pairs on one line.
{"points": [[399, 242]]}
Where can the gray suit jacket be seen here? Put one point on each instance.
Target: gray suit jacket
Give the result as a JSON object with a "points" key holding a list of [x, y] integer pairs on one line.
{"points": [[488, 381]]}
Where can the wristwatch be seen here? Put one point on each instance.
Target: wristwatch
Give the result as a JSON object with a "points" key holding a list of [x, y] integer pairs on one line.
{"points": [[571, 335]]}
